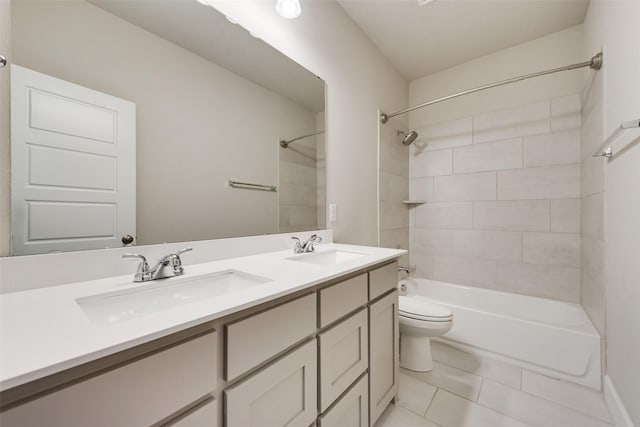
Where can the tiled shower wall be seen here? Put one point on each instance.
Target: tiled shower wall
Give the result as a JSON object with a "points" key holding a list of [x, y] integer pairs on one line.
{"points": [[393, 188], [592, 191], [300, 168], [502, 193]]}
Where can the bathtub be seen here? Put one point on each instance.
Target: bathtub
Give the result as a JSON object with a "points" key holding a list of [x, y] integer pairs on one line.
{"points": [[549, 337]]}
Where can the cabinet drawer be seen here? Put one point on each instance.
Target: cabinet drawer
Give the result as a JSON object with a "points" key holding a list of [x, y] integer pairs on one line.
{"points": [[254, 340], [343, 357], [383, 280], [352, 410], [342, 298], [203, 416], [283, 393], [140, 393]]}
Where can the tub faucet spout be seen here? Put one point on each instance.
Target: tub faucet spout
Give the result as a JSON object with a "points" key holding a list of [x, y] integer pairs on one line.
{"points": [[404, 269]]}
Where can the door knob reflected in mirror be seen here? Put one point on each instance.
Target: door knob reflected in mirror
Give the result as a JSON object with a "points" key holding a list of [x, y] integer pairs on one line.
{"points": [[127, 239]]}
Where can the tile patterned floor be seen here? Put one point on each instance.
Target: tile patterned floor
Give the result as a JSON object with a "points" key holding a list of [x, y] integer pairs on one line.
{"points": [[465, 390]]}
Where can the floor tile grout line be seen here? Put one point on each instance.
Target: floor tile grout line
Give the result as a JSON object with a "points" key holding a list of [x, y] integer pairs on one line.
{"points": [[546, 400], [560, 404], [430, 403], [520, 389], [479, 390]]}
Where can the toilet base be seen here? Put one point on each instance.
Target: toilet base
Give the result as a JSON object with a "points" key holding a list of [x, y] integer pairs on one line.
{"points": [[415, 353]]}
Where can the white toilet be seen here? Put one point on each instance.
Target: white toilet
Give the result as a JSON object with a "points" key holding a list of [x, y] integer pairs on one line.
{"points": [[420, 319]]}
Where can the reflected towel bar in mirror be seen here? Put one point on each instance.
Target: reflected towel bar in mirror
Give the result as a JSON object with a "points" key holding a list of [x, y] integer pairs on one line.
{"points": [[250, 186]]}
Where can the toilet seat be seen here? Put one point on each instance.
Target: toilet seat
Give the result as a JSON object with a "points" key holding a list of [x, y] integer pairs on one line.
{"points": [[422, 309]]}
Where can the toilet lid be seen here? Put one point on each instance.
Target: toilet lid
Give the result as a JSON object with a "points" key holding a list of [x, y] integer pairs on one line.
{"points": [[420, 308]]}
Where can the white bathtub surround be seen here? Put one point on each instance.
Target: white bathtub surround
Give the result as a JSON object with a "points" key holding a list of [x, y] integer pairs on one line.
{"points": [[550, 337], [467, 390], [504, 207]]}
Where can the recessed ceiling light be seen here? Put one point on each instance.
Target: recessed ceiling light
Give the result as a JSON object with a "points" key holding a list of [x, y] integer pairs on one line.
{"points": [[288, 8], [424, 2]]}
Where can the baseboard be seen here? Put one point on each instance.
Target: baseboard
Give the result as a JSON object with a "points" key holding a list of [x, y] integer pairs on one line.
{"points": [[616, 407]]}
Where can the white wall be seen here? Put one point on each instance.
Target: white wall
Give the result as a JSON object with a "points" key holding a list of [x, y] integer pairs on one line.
{"points": [[614, 24], [198, 125], [555, 50], [359, 81]]}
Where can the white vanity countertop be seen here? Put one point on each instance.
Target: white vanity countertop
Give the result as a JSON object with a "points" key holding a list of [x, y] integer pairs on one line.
{"points": [[44, 331]]}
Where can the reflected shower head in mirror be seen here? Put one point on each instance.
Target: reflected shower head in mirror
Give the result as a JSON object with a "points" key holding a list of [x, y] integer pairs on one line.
{"points": [[408, 137]]}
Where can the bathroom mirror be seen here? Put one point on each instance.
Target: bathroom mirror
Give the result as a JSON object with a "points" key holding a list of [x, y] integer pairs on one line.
{"points": [[133, 117]]}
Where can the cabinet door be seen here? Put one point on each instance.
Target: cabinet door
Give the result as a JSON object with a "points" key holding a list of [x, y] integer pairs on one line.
{"points": [[384, 352], [282, 394], [205, 415], [140, 393], [343, 357], [352, 410]]}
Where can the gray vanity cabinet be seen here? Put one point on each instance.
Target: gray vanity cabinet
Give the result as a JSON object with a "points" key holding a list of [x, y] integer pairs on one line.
{"points": [[326, 355], [383, 339]]}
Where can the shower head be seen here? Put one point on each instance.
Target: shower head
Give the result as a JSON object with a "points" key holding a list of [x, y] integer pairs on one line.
{"points": [[408, 137]]}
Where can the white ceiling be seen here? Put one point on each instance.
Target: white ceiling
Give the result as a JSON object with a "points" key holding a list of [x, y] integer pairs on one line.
{"points": [[423, 40], [207, 33]]}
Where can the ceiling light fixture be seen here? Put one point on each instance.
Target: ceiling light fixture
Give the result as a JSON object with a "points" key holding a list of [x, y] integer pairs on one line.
{"points": [[289, 9]]}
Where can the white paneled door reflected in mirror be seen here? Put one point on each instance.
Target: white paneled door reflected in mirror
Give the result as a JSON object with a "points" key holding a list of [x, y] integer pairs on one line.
{"points": [[130, 118]]}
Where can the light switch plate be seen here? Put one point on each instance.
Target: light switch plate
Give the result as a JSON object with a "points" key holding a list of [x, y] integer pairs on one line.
{"points": [[333, 212]]}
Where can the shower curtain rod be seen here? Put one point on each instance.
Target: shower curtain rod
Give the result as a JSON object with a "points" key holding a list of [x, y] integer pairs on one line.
{"points": [[285, 144], [595, 64]]}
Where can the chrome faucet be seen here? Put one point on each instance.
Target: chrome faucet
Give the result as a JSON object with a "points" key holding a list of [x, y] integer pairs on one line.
{"points": [[167, 266], [307, 246], [404, 269]]}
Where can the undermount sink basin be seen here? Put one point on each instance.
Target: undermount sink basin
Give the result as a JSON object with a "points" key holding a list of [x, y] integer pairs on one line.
{"points": [[155, 296], [327, 257]]}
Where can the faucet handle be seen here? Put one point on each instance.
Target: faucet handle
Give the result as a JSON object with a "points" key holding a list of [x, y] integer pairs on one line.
{"points": [[143, 273], [176, 261], [298, 247]]}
